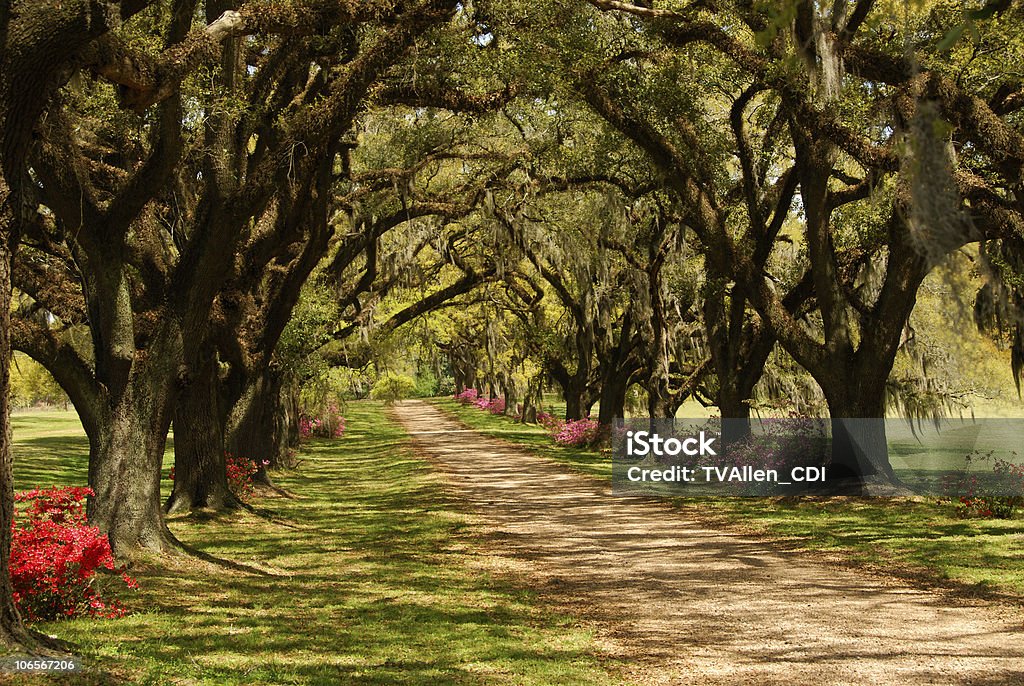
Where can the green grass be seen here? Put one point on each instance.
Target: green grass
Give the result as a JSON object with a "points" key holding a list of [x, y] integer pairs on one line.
{"points": [[911, 537], [50, 449], [369, 576]]}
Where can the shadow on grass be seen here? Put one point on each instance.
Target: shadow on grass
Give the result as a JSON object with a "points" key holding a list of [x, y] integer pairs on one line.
{"points": [[50, 460], [378, 584]]}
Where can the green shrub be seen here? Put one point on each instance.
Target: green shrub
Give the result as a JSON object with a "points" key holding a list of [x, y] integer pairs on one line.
{"points": [[426, 384], [393, 387]]}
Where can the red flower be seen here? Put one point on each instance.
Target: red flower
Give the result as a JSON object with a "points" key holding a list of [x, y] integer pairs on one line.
{"points": [[55, 555]]}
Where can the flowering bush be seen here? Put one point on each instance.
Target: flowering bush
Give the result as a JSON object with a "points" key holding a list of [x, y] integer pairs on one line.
{"points": [[579, 433], [241, 470], [330, 425], [550, 422], [55, 555], [467, 397], [494, 406], [773, 444], [999, 495]]}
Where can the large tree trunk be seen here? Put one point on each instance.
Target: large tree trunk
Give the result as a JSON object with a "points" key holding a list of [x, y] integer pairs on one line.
{"points": [[200, 470], [739, 351], [575, 400], [859, 451], [733, 402], [510, 395], [617, 366], [736, 382], [263, 424], [613, 398], [12, 632], [125, 464], [854, 363], [735, 414], [579, 396], [573, 404], [659, 399]]}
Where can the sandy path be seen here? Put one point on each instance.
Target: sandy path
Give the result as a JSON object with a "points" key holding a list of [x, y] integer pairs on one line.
{"points": [[689, 605]]}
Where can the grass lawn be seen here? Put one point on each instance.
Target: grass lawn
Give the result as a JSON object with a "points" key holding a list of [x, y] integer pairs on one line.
{"points": [[913, 537], [369, 576], [50, 449]]}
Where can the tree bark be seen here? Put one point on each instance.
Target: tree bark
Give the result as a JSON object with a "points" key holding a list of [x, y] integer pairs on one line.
{"points": [[575, 386], [574, 399], [659, 399], [617, 365], [200, 468], [856, 406], [263, 423], [613, 398], [509, 389], [12, 631], [125, 463]]}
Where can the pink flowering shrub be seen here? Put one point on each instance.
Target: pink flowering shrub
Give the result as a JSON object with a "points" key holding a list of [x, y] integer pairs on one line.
{"points": [[330, 425], [467, 397], [578, 433], [775, 444], [55, 555], [550, 422], [471, 396], [494, 406]]}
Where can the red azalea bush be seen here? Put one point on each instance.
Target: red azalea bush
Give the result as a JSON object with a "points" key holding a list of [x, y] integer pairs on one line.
{"points": [[55, 555], [241, 470], [997, 496]]}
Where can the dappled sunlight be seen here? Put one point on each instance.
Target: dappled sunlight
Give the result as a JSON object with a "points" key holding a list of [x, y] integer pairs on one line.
{"points": [[373, 580]]}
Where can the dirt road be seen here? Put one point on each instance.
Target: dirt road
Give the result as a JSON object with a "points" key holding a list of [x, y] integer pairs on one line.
{"points": [[685, 604]]}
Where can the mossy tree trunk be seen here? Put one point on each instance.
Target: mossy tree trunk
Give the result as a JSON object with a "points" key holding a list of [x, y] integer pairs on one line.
{"points": [[12, 632], [200, 469]]}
